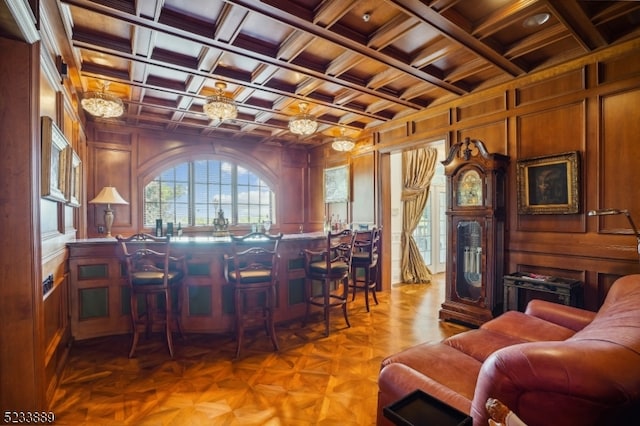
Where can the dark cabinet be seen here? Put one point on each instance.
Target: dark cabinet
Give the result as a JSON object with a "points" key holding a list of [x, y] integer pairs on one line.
{"points": [[475, 228]]}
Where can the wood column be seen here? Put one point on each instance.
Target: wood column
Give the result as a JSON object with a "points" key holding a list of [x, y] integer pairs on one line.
{"points": [[21, 317]]}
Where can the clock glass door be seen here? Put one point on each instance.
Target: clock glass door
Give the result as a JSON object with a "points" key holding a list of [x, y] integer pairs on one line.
{"points": [[469, 265]]}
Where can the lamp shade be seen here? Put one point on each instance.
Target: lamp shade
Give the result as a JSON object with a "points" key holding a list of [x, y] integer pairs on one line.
{"points": [[109, 195]]}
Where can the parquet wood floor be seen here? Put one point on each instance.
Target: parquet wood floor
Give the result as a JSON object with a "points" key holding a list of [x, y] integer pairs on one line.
{"points": [[312, 380]]}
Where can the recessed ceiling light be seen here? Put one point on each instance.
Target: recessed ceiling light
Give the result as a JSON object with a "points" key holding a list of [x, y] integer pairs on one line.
{"points": [[536, 20]]}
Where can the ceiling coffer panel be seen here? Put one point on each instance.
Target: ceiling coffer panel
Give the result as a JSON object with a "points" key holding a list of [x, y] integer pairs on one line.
{"points": [[357, 64]]}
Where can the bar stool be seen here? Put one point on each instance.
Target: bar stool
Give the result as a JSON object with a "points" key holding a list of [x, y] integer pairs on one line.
{"points": [[155, 276], [252, 270], [365, 257], [329, 265]]}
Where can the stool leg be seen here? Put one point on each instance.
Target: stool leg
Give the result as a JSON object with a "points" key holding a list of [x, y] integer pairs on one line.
{"points": [[354, 281], [345, 294], [374, 283], [134, 322], [167, 320], [326, 286], [366, 287], [239, 322], [149, 313], [178, 312], [270, 306], [307, 296]]}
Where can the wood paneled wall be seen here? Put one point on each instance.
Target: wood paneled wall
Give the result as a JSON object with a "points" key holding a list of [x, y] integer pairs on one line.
{"points": [[22, 344], [128, 158], [589, 106]]}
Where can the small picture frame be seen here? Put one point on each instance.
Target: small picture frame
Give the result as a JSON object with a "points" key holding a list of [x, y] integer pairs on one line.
{"points": [[54, 172], [74, 177], [549, 184], [336, 184]]}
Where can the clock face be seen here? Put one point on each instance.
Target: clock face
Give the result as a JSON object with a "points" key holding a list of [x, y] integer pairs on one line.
{"points": [[469, 191]]}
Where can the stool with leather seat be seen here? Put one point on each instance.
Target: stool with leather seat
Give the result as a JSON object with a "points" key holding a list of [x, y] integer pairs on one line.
{"points": [[365, 256], [252, 270], [155, 277], [331, 266]]}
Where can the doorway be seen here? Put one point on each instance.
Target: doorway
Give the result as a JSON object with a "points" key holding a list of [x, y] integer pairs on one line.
{"points": [[431, 233]]}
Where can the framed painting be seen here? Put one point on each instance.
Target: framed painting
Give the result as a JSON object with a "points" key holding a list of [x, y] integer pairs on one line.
{"points": [[336, 184], [54, 175], [549, 184], [74, 174]]}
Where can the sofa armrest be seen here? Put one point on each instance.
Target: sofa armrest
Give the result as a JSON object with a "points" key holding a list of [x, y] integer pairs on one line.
{"points": [[567, 316], [571, 382]]}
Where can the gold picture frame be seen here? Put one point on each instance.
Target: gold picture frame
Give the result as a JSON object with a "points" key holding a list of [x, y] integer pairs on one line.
{"points": [[54, 165], [74, 177], [549, 184], [336, 184]]}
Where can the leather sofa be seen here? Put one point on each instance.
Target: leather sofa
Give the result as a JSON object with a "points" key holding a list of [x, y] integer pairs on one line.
{"points": [[552, 364]]}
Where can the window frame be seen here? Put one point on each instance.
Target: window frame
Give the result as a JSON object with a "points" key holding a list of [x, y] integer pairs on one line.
{"points": [[257, 172]]}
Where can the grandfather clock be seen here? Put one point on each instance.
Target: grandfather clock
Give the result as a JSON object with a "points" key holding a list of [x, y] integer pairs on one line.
{"points": [[475, 229]]}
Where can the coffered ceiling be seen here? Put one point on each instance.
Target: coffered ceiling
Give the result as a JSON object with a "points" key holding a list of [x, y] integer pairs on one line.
{"points": [[358, 63]]}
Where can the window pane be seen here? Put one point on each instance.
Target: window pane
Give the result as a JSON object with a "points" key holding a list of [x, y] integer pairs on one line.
{"points": [[192, 193]]}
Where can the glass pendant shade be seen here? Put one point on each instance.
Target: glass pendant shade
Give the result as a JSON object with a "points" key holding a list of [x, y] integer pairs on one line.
{"points": [[303, 123], [220, 106], [101, 104], [343, 143]]}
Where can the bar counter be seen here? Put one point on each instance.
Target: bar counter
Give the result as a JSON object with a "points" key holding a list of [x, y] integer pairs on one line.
{"points": [[100, 296]]}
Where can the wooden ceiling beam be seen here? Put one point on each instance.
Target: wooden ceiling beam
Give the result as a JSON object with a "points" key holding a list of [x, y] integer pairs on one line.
{"points": [[294, 45], [573, 17], [545, 37], [391, 31], [416, 90], [345, 96], [344, 63], [437, 50], [286, 13], [229, 23], [615, 11], [383, 78], [468, 68], [458, 35], [331, 11], [249, 51], [119, 76], [506, 16]]}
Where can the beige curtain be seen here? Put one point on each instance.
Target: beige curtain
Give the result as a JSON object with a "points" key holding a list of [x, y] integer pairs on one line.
{"points": [[418, 167]]}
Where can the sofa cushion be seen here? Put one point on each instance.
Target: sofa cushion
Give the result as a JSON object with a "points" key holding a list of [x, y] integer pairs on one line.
{"points": [[481, 343], [442, 363], [526, 327], [398, 380]]}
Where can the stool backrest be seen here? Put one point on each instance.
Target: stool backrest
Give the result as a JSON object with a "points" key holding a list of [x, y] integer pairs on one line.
{"points": [[369, 245], [146, 253], [252, 252]]}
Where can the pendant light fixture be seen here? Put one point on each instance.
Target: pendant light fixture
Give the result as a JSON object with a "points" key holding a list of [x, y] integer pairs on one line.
{"points": [[220, 106], [101, 104], [303, 123], [343, 143]]}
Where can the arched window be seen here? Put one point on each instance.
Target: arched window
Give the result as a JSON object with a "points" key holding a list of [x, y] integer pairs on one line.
{"points": [[191, 194]]}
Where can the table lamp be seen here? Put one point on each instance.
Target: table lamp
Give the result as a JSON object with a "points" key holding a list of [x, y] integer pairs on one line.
{"points": [[611, 212], [109, 195]]}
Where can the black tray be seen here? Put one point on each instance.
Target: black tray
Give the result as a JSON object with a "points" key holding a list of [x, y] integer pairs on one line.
{"points": [[420, 409]]}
